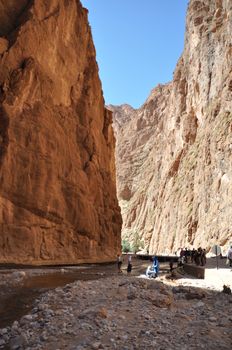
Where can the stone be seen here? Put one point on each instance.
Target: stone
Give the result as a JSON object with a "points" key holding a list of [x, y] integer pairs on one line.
{"points": [[17, 342], [162, 301], [96, 345], [102, 312], [18, 274], [189, 295], [57, 171], [200, 304], [173, 156], [2, 342], [3, 331]]}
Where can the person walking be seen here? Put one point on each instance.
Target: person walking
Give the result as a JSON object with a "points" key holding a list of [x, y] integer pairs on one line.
{"points": [[171, 265], [129, 265], [119, 263]]}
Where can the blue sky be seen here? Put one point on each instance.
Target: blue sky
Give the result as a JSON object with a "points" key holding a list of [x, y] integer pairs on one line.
{"points": [[138, 43]]}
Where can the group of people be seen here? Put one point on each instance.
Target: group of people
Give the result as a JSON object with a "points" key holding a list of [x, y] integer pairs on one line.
{"points": [[129, 263], [197, 256], [152, 271]]}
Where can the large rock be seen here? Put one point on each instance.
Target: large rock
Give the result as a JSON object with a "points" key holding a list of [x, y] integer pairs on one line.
{"points": [[57, 175], [174, 154]]}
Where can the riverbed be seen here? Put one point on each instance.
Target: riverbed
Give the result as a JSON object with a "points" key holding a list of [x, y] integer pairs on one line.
{"points": [[42, 293], [21, 287]]}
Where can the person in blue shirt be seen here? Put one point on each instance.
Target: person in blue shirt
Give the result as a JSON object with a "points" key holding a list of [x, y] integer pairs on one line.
{"points": [[153, 271]]}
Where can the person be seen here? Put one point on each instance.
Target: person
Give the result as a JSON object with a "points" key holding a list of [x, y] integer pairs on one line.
{"points": [[229, 256], [129, 265], [181, 258], [203, 257], [153, 271], [193, 252], [226, 289], [181, 253], [198, 256], [186, 254], [171, 265], [156, 266], [119, 263]]}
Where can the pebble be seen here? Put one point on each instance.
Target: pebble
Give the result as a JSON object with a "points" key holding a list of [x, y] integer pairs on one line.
{"points": [[2, 342], [213, 319]]}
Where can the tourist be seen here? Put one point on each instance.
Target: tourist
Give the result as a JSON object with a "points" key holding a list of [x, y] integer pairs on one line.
{"points": [[129, 265], [171, 265], [119, 263], [198, 257], [203, 257], [186, 255], [181, 253], [182, 257], [193, 252], [229, 256], [153, 271]]}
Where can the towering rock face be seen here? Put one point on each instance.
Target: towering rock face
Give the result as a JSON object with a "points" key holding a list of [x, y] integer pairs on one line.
{"points": [[174, 154], [57, 176]]}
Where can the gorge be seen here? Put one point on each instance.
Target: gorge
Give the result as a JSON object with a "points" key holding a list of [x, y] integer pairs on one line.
{"points": [[57, 167], [58, 202], [174, 153]]}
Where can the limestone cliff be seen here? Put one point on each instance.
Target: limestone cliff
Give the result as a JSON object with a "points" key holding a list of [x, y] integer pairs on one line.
{"points": [[57, 176], [174, 154]]}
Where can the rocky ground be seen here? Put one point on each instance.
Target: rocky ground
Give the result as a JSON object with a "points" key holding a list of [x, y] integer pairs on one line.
{"points": [[124, 312]]}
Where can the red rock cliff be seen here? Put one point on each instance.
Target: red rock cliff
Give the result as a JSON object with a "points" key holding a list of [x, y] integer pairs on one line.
{"points": [[174, 154], [57, 178]]}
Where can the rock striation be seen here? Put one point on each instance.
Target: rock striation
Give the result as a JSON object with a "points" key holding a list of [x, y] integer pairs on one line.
{"points": [[174, 154], [58, 199]]}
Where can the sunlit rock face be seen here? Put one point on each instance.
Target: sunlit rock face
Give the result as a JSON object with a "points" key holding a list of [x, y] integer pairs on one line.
{"points": [[174, 154], [57, 175]]}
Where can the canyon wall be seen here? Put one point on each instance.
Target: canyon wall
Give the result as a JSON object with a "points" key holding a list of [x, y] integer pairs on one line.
{"points": [[58, 199], [174, 154]]}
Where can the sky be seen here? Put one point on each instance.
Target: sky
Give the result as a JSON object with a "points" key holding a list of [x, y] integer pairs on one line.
{"points": [[138, 43]]}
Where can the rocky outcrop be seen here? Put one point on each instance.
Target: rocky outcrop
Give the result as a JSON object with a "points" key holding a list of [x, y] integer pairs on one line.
{"points": [[57, 174], [174, 154]]}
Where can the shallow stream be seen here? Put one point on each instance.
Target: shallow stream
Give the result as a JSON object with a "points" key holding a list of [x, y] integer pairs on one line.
{"points": [[16, 301]]}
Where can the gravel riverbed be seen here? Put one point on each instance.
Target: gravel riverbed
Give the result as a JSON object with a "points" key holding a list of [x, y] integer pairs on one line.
{"points": [[124, 312]]}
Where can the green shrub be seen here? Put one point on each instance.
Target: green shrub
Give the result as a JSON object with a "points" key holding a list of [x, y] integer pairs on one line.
{"points": [[137, 244], [126, 248]]}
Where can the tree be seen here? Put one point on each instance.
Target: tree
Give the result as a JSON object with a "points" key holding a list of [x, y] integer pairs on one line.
{"points": [[126, 248], [137, 244]]}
